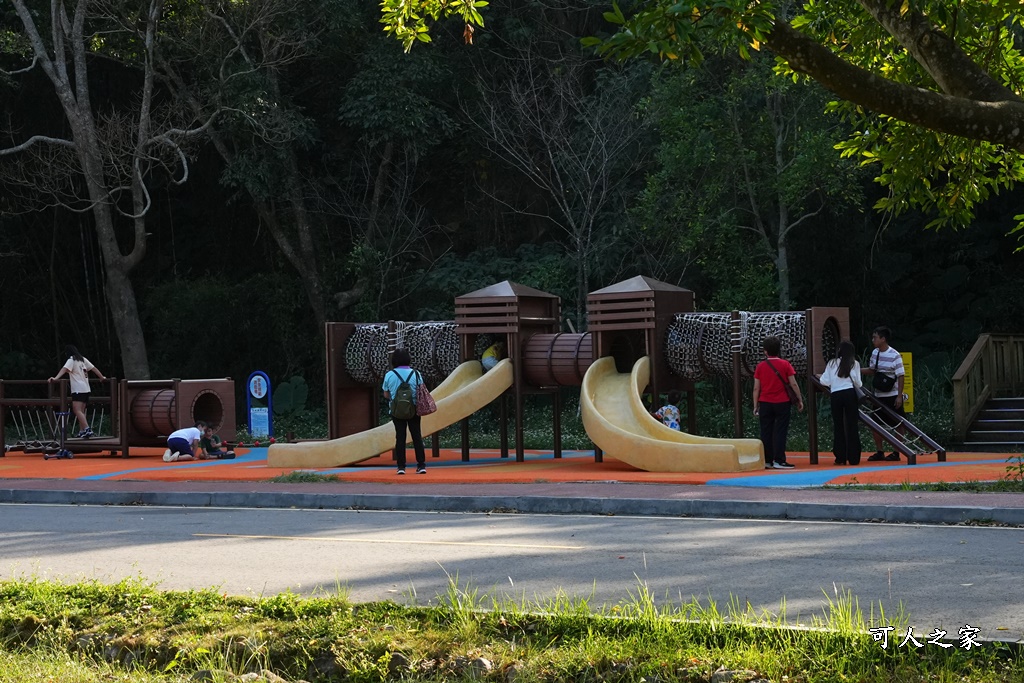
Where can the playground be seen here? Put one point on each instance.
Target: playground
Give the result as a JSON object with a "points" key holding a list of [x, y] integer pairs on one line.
{"points": [[644, 340], [488, 467]]}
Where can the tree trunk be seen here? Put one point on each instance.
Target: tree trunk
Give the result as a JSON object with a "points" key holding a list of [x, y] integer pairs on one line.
{"points": [[120, 293], [125, 314], [301, 260], [782, 263]]}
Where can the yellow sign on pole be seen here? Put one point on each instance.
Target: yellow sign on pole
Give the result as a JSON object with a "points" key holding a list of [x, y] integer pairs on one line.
{"points": [[908, 381]]}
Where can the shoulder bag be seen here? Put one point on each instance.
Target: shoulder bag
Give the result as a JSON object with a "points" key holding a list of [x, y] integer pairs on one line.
{"points": [[793, 397], [880, 382], [425, 404]]}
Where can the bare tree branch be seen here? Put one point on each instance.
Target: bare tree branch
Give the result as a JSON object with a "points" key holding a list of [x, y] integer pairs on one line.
{"points": [[35, 61], [34, 140]]}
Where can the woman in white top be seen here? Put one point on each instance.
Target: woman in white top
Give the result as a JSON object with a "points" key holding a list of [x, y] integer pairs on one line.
{"points": [[77, 368], [842, 377]]}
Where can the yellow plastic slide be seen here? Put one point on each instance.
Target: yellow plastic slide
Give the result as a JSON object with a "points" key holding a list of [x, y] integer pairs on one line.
{"points": [[462, 393], [617, 422]]}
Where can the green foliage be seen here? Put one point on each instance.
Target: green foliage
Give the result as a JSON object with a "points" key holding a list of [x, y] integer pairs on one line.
{"points": [[407, 20], [80, 633], [1015, 469], [244, 438], [233, 326], [290, 397], [394, 98], [19, 365], [305, 424], [746, 166], [541, 266], [683, 30], [945, 175]]}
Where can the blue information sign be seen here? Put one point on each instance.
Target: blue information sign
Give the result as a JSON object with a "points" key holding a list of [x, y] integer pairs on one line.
{"points": [[259, 404]]}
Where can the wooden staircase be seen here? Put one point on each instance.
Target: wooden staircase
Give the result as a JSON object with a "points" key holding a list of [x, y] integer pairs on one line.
{"points": [[1000, 422], [988, 393]]}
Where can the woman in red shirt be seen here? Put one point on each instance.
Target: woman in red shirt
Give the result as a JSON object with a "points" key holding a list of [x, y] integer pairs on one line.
{"points": [[772, 403]]}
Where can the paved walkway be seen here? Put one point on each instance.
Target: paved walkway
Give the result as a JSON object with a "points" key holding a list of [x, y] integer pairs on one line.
{"points": [[542, 484], [599, 498]]}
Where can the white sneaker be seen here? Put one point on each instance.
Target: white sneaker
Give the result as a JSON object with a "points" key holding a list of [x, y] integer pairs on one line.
{"points": [[167, 455]]}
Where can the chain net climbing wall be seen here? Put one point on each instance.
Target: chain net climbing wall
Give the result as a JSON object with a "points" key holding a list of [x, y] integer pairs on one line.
{"points": [[700, 345], [434, 348]]}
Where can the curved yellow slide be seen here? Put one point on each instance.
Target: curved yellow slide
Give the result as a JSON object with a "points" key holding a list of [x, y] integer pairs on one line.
{"points": [[462, 393], [617, 422]]}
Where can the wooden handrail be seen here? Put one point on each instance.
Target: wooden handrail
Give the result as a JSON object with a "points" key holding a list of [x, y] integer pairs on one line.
{"points": [[994, 366]]}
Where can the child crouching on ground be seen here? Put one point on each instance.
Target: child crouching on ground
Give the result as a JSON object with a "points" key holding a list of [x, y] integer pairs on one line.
{"points": [[213, 447]]}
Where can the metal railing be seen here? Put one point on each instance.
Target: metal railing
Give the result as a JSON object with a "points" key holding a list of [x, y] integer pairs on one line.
{"points": [[994, 367], [29, 411], [906, 437]]}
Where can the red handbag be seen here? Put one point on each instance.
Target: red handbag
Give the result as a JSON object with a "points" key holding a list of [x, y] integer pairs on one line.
{"points": [[794, 398]]}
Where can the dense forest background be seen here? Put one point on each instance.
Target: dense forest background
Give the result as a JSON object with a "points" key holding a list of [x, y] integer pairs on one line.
{"points": [[330, 176]]}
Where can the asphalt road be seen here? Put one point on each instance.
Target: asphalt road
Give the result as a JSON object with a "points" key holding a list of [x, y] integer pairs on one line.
{"points": [[944, 577]]}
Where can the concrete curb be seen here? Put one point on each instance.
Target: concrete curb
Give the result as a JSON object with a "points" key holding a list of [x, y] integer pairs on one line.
{"points": [[853, 512]]}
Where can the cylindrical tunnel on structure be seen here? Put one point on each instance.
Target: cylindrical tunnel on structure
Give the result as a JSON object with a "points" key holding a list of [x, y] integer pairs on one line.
{"points": [[562, 359], [154, 411]]}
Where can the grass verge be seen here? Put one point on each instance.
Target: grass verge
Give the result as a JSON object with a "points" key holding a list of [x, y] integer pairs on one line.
{"points": [[303, 477], [130, 631], [1001, 486]]}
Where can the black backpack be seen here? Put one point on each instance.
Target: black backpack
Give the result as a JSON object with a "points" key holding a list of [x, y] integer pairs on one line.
{"points": [[403, 403]]}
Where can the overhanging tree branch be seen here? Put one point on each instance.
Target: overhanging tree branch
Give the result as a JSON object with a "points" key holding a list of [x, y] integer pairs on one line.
{"points": [[953, 70], [1000, 122]]}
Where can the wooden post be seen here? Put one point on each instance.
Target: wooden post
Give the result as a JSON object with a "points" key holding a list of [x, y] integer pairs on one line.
{"points": [[520, 454], [810, 390], [556, 408], [737, 387], [503, 424], [691, 410]]}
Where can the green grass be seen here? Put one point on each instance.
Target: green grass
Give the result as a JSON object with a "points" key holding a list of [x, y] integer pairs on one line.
{"points": [[1012, 481], [132, 632], [301, 477], [1001, 486]]}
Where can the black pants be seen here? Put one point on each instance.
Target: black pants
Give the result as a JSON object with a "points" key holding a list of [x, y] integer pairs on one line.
{"points": [[845, 427], [774, 429], [417, 441]]}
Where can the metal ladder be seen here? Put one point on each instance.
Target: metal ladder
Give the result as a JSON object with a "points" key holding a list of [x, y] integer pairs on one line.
{"points": [[912, 442]]}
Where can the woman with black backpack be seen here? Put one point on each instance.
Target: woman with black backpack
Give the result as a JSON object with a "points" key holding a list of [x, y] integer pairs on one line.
{"points": [[400, 385]]}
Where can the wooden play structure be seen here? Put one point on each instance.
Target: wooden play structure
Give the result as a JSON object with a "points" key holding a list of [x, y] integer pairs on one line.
{"points": [[643, 337], [122, 413]]}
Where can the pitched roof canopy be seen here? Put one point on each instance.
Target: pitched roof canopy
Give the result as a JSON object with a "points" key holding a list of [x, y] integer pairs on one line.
{"points": [[507, 289], [640, 283]]}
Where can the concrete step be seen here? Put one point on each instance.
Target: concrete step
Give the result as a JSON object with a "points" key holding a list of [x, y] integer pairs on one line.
{"points": [[1001, 414], [1011, 402], [998, 425], [1001, 448], [994, 436]]}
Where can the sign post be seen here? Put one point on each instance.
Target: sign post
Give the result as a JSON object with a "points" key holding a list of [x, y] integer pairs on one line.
{"points": [[259, 404], [908, 381]]}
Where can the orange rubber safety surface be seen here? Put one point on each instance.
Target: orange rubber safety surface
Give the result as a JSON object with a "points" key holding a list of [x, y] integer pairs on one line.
{"points": [[486, 466]]}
